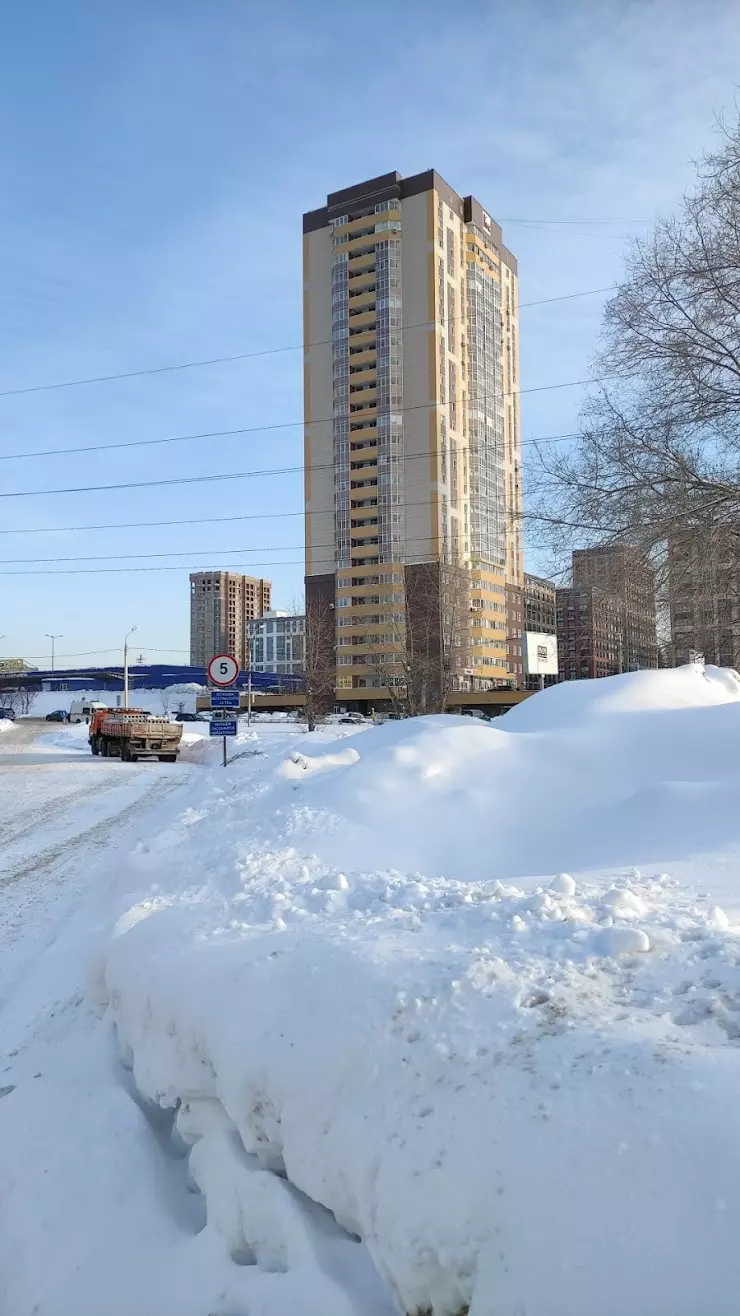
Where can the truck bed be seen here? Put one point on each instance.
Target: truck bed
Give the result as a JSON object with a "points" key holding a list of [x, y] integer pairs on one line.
{"points": [[137, 736]]}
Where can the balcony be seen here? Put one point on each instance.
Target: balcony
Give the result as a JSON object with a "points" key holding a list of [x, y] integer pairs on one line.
{"points": [[362, 279], [360, 262], [364, 298], [362, 411], [368, 375], [364, 224], [363, 246], [361, 319], [362, 346]]}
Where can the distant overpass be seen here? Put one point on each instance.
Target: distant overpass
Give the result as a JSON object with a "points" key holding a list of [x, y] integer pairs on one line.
{"points": [[153, 676]]}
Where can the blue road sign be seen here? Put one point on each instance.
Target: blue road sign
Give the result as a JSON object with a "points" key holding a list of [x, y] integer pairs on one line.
{"points": [[224, 699], [223, 728]]}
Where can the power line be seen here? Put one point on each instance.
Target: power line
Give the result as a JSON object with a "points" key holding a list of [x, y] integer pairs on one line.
{"points": [[146, 525], [248, 429], [94, 653], [241, 475], [103, 571], [242, 356], [623, 220], [252, 516]]}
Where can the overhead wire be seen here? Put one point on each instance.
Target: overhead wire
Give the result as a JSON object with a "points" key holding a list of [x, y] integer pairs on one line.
{"points": [[244, 356], [251, 516], [193, 479], [250, 429]]}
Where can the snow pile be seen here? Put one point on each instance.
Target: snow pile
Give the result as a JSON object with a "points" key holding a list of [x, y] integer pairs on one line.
{"points": [[6, 724], [505, 1087], [467, 993], [67, 735]]}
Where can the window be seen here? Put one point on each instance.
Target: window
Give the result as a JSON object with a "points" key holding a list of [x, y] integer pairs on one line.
{"points": [[450, 252]]}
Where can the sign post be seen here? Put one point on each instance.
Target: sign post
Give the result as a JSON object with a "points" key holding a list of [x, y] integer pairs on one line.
{"points": [[222, 672], [540, 653]]}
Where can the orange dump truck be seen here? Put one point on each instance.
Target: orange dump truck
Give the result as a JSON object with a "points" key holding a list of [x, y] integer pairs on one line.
{"points": [[131, 734]]}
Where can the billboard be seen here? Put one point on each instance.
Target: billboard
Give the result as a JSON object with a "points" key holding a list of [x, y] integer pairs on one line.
{"points": [[540, 654]]}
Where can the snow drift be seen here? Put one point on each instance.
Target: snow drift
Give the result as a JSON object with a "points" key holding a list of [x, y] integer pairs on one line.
{"points": [[473, 989]]}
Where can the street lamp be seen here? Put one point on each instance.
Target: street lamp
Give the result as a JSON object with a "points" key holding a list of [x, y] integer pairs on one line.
{"points": [[52, 638], [125, 667]]}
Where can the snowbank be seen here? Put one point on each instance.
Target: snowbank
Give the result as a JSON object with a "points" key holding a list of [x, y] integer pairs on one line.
{"points": [[6, 724], [66, 735], [519, 1092]]}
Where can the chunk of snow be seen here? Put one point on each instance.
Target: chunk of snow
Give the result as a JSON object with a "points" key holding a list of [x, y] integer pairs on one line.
{"points": [[563, 885], [624, 941], [718, 918]]}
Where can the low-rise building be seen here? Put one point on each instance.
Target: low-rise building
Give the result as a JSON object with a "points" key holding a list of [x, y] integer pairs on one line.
{"points": [[277, 643]]}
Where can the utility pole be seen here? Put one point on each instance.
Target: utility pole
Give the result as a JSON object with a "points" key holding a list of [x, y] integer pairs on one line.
{"points": [[249, 695], [52, 638], [125, 667]]}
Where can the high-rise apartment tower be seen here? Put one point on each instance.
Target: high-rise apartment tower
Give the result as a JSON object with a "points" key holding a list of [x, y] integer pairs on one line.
{"points": [[221, 605], [412, 448]]}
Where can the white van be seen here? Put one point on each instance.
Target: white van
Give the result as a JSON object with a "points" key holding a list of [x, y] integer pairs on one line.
{"points": [[81, 710]]}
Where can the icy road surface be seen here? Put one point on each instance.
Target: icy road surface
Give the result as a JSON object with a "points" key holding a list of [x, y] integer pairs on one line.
{"points": [[60, 810]]}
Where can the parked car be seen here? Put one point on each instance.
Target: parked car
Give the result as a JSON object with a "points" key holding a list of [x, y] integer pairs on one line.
{"points": [[59, 715], [7, 715], [191, 717]]}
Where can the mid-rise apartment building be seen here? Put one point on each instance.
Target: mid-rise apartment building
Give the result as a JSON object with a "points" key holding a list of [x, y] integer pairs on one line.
{"points": [[277, 643], [539, 618], [589, 631], [623, 573], [704, 596], [412, 448], [515, 627], [539, 605], [221, 604]]}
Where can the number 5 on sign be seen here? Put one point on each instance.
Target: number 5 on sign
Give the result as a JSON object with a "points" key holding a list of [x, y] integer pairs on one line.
{"points": [[223, 669]]}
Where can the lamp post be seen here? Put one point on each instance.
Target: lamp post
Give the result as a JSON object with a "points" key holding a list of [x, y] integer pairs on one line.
{"points": [[52, 638], [125, 667]]}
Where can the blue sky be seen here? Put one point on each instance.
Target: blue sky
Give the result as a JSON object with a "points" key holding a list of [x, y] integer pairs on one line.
{"points": [[156, 159]]}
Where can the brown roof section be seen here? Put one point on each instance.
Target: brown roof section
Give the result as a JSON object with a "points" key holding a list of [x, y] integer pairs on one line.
{"points": [[384, 186]]}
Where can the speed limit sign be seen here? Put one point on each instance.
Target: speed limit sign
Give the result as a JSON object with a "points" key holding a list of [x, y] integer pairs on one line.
{"points": [[223, 669]]}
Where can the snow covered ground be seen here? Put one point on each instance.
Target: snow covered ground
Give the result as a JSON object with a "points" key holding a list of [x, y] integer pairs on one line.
{"points": [[153, 701], [444, 1017]]}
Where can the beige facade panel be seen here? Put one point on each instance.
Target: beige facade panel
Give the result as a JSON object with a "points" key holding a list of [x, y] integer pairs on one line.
{"points": [[417, 470]]}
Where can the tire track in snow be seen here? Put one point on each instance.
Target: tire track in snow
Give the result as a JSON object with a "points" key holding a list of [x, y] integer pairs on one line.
{"points": [[93, 837], [40, 814]]}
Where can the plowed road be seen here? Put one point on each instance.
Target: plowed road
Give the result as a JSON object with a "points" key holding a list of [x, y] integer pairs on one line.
{"points": [[60, 811]]}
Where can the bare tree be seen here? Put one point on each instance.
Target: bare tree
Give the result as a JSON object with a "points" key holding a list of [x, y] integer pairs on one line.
{"points": [[424, 655], [657, 461], [320, 673], [165, 698], [21, 699]]}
